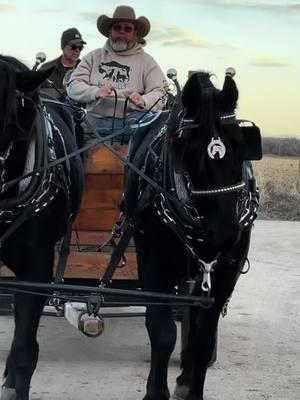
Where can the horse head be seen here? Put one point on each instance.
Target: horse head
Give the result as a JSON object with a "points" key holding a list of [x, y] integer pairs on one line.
{"points": [[205, 149], [18, 99]]}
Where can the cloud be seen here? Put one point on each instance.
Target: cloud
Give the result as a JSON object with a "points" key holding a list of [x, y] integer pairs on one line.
{"points": [[51, 11], [258, 5], [7, 8], [294, 7], [270, 62], [176, 36], [184, 43], [90, 16], [161, 33]]}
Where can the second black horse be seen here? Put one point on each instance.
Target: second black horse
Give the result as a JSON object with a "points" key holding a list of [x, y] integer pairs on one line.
{"points": [[34, 212], [196, 229]]}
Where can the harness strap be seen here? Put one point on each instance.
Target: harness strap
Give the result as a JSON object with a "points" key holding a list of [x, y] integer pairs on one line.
{"points": [[221, 190], [36, 172], [64, 252], [117, 254], [15, 225]]}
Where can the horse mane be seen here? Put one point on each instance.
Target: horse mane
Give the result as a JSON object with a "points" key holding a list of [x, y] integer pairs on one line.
{"points": [[192, 93], [10, 123], [8, 103], [195, 102], [17, 64]]}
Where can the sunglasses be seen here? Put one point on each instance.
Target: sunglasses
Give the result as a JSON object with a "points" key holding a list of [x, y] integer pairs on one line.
{"points": [[76, 47], [125, 28]]}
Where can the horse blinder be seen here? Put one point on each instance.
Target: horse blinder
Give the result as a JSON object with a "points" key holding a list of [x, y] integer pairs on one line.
{"points": [[252, 144]]}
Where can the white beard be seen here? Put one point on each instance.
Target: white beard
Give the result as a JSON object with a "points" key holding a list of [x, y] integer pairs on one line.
{"points": [[121, 45]]}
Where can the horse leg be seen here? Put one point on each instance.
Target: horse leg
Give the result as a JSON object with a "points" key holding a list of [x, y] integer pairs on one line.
{"points": [[203, 333], [23, 356], [185, 379], [162, 333], [161, 264], [159, 319], [200, 352]]}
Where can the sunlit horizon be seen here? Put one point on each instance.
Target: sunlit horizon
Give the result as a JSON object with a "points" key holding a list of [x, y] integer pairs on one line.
{"points": [[257, 38]]}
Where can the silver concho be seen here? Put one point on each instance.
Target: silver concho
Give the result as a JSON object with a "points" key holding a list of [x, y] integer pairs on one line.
{"points": [[230, 72], [216, 149]]}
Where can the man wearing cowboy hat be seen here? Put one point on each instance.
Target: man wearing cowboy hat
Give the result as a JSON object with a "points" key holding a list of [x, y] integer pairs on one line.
{"points": [[122, 67]]}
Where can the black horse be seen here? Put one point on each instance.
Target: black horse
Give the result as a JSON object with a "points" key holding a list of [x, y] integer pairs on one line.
{"points": [[34, 212], [195, 231]]}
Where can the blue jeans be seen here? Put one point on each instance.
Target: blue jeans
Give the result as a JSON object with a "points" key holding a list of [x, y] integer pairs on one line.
{"points": [[104, 125]]}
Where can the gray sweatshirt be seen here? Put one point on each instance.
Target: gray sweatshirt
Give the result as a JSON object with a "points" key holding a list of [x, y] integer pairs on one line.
{"points": [[133, 70]]}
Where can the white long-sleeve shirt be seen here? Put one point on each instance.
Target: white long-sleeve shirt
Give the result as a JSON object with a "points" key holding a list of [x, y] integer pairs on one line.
{"points": [[131, 70]]}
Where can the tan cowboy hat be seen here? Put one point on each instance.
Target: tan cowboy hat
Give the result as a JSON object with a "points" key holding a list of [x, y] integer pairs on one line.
{"points": [[122, 14]]}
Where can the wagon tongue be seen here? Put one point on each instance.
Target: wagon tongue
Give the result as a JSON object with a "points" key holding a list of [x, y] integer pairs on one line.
{"points": [[46, 288]]}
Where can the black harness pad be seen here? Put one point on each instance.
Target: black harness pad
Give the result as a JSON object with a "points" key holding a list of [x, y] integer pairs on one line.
{"points": [[64, 112], [252, 144], [138, 150]]}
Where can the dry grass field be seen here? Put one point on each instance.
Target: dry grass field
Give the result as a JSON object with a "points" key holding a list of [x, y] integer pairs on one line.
{"points": [[279, 181]]}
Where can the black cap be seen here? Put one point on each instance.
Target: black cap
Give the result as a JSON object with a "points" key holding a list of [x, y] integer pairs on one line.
{"points": [[70, 34]]}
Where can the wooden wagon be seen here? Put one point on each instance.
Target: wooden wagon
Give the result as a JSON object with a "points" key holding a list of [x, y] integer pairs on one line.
{"points": [[99, 212]]}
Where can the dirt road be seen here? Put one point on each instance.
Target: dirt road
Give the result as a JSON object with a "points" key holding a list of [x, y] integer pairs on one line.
{"points": [[259, 340]]}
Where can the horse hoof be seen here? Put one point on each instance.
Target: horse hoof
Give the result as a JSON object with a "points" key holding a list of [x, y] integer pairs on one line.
{"points": [[180, 392], [8, 394]]}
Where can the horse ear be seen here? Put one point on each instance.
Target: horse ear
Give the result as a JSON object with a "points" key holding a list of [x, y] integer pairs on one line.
{"points": [[191, 95], [28, 81], [229, 94]]}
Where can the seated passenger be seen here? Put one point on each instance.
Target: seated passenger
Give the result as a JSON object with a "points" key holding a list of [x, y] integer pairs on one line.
{"points": [[121, 65], [71, 44]]}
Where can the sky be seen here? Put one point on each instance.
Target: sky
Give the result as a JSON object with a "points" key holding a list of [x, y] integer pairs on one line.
{"points": [[259, 38]]}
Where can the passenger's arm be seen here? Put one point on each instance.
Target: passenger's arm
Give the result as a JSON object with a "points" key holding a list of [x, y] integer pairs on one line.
{"points": [[154, 82], [79, 87]]}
